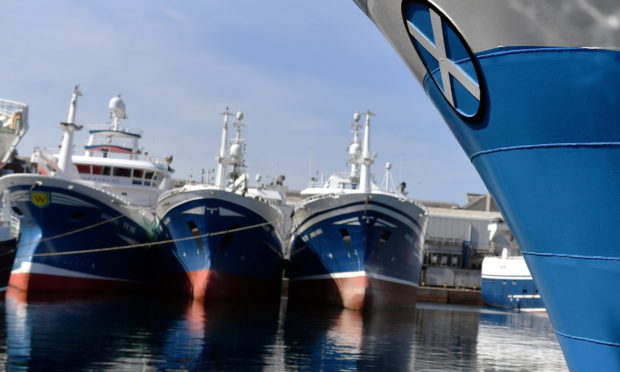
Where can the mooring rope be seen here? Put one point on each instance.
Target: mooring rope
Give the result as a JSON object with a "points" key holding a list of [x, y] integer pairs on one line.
{"points": [[139, 245]]}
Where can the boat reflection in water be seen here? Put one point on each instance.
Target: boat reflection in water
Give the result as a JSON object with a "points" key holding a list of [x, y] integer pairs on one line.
{"points": [[123, 333], [542, 353], [53, 332], [333, 339]]}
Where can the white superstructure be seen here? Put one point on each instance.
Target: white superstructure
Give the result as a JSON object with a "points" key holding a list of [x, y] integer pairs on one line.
{"points": [[230, 177], [113, 161], [359, 179]]}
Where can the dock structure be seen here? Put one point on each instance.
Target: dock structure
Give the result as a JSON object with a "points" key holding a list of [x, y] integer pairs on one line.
{"points": [[457, 239]]}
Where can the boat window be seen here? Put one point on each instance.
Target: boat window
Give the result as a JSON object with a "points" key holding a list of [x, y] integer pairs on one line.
{"points": [[136, 182], [138, 173], [156, 179], [122, 172], [147, 183], [83, 168], [106, 171], [148, 175], [97, 169]]}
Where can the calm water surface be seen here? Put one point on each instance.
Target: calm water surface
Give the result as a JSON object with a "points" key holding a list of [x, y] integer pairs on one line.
{"points": [[147, 334]]}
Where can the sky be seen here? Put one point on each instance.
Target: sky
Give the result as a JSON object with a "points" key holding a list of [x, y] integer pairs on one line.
{"points": [[298, 70]]}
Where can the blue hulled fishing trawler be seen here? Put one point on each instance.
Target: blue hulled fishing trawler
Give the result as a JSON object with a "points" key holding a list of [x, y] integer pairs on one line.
{"points": [[225, 238], [354, 245], [87, 220]]}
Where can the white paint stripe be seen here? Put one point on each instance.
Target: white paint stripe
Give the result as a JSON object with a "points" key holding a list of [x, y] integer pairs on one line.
{"points": [[393, 280], [224, 212], [464, 78], [446, 66], [354, 219], [524, 296], [386, 223], [350, 274], [422, 39], [359, 208], [532, 309], [353, 274], [506, 277], [442, 59], [37, 268]]}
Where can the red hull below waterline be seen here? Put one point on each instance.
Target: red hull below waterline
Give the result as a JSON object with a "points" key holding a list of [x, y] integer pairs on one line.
{"points": [[208, 285], [357, 293], [32, 282]]}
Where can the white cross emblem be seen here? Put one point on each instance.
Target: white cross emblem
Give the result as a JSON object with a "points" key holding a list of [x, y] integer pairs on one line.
{"points": [[447, 67]]}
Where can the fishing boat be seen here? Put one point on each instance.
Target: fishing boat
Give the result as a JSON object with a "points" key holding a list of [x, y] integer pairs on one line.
{"points": [[529, 89], [13, 127], [507, 283], [354, 245], [87, 220], [505, 280], [225, 238]]}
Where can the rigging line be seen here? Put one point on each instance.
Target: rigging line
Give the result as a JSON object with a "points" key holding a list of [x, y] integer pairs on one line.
{"points": [[139, 245], [76, 230]]}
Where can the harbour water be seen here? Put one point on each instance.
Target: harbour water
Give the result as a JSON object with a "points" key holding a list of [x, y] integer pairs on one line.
{"points": [[153, 334]]}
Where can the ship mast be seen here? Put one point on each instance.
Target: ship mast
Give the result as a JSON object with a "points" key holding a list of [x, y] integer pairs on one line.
{"points": [[222, 161], [236, 149], [65, 164], [355, 151], [367, 158]]}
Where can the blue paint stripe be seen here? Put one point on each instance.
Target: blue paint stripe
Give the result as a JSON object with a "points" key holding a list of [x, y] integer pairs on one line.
{"points": [[585, 339], [546, 146], [504, 52], [499, 52], [115, 131], [572, 256]]}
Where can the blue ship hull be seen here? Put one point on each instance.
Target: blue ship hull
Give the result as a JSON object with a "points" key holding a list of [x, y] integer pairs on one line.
{"points": [[356, 251], [539, 121], [224, 246], [512, 294], [506, 282], [548, 149], [65, 235]]}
